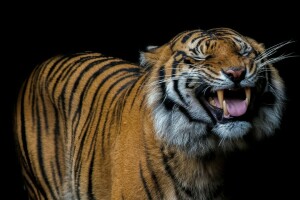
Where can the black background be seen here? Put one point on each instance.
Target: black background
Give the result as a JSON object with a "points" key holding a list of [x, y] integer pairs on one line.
{"points": [[268, 170]]}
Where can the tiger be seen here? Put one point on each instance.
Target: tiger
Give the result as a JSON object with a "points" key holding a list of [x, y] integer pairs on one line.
{"points": [[90, 126]]}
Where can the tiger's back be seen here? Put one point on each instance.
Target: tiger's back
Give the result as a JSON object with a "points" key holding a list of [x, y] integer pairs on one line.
{"points": [[62, 135], [95, 127]]}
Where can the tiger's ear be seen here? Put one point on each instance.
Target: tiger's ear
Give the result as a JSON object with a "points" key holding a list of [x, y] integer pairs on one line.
{"points": [[149, 48], [154, 55]]}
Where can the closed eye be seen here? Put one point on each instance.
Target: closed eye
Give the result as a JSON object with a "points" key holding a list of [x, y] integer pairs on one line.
{"points": [[192, 60], [208, 57], [187, 61]]}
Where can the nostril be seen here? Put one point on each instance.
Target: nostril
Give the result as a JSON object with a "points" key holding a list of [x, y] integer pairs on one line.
{"points": [[236, 74]]}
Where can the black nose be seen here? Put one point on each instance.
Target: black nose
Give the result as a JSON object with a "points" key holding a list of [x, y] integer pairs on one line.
{"points": [[236, 74]]}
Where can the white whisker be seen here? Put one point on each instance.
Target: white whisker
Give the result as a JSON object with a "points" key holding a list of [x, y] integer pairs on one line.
{"points": [[274, 60], [270, 51]]}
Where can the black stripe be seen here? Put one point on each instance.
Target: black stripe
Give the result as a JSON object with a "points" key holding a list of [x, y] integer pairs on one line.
{"points": [[23, 129], [91, 79], [44, 113], [174, 67], [74, 65], [210, 70], [62, 69], [144, 79], [40, 151], [142, 102], [57, 141], [162, 80], [24, 142], [32, 91], [155, 181], [210, 79], [199, 43], [208, 111], [187, 114], [54, 177], [144, 183], [188, 36], [128, 83], [251, 66], [121, 107], [65, 72], [103, 103], [141, 86], [152, 173], [175, 81], [54, 69], [64, 93], [32, 189], [194, 39], [176, 182], [89, 83], [213, 45], [174, 40], [169, 104], [169, 170], [85, 132], [195, 50], [253, 74], [176, 89], [90, 182], [268, 74], [201, 49], [78, 162], [78, 177]]}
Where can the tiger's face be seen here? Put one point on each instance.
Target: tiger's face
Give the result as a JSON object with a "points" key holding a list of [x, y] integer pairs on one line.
{"points": [[212, 88]]}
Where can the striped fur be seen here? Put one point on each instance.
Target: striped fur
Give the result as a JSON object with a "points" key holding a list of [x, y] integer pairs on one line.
{"points": [[95, 127]]}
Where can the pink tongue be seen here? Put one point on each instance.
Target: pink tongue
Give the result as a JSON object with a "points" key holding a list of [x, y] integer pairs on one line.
{"points": [[235, 107]]}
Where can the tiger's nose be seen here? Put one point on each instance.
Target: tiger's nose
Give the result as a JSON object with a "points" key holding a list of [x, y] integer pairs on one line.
{"points": [[236, 74]]}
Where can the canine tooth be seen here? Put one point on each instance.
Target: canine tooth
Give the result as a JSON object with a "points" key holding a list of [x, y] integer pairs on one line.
{"points": [[225, 111], [247, 101], [248, 95], [220, 94]]}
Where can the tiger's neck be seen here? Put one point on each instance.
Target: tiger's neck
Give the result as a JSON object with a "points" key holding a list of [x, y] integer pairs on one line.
{"points": [[195, 177]]}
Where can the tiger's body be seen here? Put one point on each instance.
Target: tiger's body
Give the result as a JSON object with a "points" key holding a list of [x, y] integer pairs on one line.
{"points": [[95, 127]]}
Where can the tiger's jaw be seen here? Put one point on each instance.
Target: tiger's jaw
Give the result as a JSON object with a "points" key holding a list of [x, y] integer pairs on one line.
{"points": [[231, 110]]}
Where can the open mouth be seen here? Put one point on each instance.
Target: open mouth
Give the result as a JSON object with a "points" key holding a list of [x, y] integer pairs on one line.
{"points": [[228, 103]]}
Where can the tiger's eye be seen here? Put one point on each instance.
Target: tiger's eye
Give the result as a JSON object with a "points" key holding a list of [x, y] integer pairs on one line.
{"points": [[208, 57], [187, 61]]}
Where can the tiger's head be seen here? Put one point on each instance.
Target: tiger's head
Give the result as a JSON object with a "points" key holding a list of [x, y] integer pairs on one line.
{"points": [[211, 89]]}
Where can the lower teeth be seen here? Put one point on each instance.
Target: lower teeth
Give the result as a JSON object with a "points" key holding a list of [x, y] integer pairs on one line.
{"points": [[212, 101], [225, 111]]}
